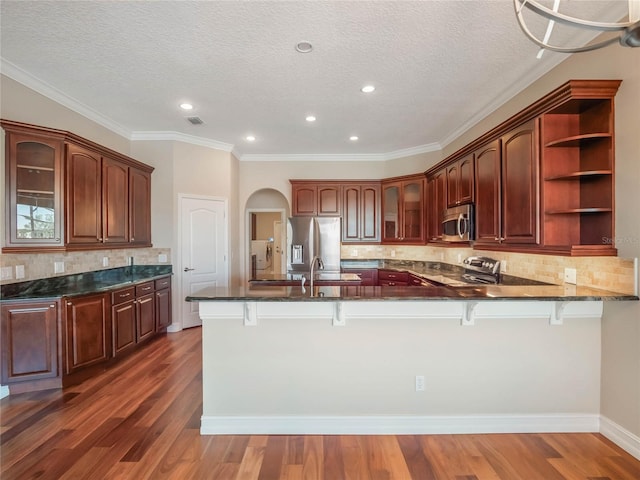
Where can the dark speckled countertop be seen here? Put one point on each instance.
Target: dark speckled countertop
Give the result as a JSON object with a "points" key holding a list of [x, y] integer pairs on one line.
{"points": [[437, 293], [83, 283]]}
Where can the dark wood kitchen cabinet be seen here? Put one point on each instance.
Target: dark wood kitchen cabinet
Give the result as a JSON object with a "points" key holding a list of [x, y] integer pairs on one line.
{"points": [[392, 278], [88, 333], [30, 343], [460, 181], [145, 311], [578, 171], [123, 320], [361, 212], [139, 207], [507, 189], [34, 215], [64, 192], [436, 204], [310, 197], [403, 209], [163, 304]]}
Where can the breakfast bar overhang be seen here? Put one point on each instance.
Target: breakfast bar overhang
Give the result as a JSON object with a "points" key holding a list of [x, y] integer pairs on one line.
{"points": [[352, 360]]}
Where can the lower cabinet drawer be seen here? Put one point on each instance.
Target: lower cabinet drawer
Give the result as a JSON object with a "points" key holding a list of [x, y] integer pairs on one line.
{"points": [[392, 283], [123, 295], [393, 276], [144, 288]]}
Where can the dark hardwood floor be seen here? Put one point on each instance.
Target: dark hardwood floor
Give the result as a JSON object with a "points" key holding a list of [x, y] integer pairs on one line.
{"points": [[141, 419]]}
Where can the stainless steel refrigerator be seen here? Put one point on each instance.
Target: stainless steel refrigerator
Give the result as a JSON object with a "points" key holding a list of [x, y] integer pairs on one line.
{"points": [[308, 237]]}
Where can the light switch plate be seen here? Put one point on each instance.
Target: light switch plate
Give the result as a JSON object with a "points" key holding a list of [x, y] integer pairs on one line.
{"points": [[58, 267], [6, 273], [570, 276]]}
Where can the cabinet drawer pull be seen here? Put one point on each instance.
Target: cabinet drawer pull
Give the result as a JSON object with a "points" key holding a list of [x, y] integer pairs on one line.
{"points": [[146, 288], [391, 284], [52, 306], [123, 295]]}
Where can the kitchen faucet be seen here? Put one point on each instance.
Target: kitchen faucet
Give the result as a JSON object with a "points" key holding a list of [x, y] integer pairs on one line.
{"points": [[320, 263]]}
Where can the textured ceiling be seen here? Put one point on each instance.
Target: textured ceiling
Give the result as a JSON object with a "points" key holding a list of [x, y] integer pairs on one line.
{"points": [[438, 66]]}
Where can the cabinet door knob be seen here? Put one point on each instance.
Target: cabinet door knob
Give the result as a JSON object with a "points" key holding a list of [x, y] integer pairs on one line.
{"points": [[133, 239], [52, 306], [69, 304]]}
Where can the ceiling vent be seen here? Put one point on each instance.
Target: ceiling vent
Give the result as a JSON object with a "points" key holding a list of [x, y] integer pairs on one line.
{"points": [[195, 120]]}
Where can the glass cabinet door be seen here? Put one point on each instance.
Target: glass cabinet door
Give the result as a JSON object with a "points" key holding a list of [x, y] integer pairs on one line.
{"points": [[391, 210], [34, 193]]}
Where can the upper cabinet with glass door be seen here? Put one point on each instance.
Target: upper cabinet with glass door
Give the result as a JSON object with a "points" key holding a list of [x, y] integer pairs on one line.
{"points": [[33, 201], [403, 209]]}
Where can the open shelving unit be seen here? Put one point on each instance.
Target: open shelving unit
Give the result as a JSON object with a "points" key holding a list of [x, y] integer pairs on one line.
{"points": [[577, 169]]}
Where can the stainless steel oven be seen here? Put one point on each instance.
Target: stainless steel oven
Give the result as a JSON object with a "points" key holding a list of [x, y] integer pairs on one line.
{"points": [[457, 224]]}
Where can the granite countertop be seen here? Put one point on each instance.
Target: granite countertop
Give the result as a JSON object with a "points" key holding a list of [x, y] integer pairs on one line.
{"points": [[295, 279], [83, 283], [334, 293]]}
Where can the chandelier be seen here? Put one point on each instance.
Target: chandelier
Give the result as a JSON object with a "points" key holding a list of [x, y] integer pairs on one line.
{"points": [[628, 32]]}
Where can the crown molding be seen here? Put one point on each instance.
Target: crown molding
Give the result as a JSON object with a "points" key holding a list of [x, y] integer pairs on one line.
{"points": [[34, 83], [180, 137]]}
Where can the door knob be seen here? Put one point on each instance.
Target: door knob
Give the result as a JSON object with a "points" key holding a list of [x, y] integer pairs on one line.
{"points": [[188, 269]]}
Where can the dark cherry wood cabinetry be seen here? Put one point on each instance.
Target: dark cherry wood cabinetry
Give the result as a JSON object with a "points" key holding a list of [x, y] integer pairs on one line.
{"points": [[357, 202], [544, 178], [403, 209], [30, 342], [145, 311], [519, 181], [436, 203], [361, 212], [163, 304], [123, 320], [137, 313], [313, 198], [577, 174], [46, 346], [392, 278], [488, 228], [88, 338], [67, 193], [139, 207], [460, 182], [33, 194]]}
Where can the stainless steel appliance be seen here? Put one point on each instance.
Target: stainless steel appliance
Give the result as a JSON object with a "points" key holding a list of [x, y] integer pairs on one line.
{"points": [[457, 224], [313, 237], [481, 270]]}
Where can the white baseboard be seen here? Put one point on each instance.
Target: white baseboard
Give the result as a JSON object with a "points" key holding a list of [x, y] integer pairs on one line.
{"points": [[4, 391], [399, 425], [620, 436]]}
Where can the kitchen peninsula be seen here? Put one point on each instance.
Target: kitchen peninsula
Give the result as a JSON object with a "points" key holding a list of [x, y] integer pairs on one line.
{"points": [[352, 359]]}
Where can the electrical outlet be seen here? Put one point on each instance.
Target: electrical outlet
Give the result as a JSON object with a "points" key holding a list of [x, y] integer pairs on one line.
{"points": [[354, 252], [503, 266], [58, 267], [162, 258], [105, 261], [570, 276], [6, 273], [19, 271], [419, 383], [393, 253], [459, 258]]}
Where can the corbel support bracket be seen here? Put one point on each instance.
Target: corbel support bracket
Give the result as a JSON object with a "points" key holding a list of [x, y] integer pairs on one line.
{"points": [[557, 310], [250, 314], [469, 314], [339, 319]]}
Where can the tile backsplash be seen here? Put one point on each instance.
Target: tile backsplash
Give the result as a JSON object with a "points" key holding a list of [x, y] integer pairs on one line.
{"points": [[607, 273], [46, 265]]}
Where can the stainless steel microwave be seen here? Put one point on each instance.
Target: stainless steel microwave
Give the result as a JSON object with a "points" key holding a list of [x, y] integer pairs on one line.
{"points": [[457, 224]]}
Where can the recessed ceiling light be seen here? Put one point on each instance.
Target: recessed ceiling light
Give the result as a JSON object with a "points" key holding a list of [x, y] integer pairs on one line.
{"points": [[304, 47], [367, 89], [250, 138], [310, 118], [353, 138], [186, 106]]}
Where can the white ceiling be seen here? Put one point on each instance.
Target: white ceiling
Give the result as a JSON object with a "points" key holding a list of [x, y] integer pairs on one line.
{"points": [[438, 68]]}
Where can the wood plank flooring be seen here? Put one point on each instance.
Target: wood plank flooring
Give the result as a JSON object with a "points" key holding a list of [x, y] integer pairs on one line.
{"points": [[140, 420]]}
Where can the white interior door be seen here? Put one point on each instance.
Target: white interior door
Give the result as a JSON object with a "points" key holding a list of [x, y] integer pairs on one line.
{"points": [[203, 234]]}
